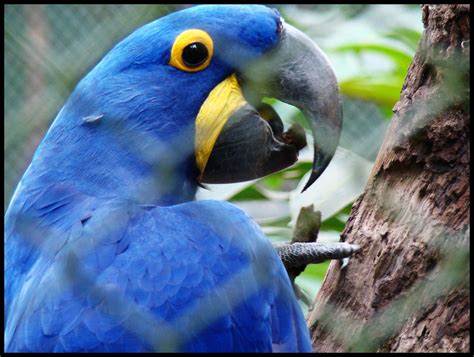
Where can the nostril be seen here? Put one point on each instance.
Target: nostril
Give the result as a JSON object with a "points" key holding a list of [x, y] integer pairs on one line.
{"points": [[280, 25]]}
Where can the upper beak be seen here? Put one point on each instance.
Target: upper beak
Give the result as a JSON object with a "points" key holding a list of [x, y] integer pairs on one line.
{"points": [[250, 142]]}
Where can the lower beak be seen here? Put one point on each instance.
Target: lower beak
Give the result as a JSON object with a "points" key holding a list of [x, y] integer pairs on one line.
{"points": [[236, 141]]}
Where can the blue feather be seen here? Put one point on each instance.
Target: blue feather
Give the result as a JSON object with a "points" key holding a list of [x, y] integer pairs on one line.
{"points": [[106, 249]]}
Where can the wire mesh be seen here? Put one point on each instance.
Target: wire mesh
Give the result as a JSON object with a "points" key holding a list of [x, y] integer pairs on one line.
{"points": [[48, 49]]}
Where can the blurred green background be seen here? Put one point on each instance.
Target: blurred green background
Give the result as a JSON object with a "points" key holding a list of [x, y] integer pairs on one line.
{"points": [[49, 48]]}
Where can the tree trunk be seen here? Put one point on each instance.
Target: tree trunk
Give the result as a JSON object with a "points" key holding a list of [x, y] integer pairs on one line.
{"points": [[408, 287]]}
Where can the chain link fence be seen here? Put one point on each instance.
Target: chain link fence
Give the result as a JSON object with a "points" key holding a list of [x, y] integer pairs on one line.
{"points": [[49, 48]]}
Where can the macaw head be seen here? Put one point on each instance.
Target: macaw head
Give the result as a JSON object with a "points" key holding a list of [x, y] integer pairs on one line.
{"points": [[178, 103]]}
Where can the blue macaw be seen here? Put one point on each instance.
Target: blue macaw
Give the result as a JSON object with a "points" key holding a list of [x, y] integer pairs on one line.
{"points": [[106, 248]]}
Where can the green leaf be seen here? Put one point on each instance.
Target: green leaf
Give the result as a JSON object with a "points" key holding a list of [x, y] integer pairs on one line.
{"points": [[316, 271], [248, 194], [401, 58], [346, 210], [383, 89], [333, 224], [274, 182], [407, 36], [387, 111]]}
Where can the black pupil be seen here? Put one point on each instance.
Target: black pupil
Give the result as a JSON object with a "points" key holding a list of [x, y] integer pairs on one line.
{"points": [[194, 54]]}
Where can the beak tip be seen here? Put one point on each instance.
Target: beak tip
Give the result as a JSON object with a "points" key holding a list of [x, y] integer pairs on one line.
{"points": [[314, 176]]}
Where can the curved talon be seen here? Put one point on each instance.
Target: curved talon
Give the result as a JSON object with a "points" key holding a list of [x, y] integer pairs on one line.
{"points": [[344, 262]]}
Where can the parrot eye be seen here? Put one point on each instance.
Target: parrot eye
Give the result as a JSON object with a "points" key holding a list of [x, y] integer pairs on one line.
{"points": [[195, 54], [192, 51]]}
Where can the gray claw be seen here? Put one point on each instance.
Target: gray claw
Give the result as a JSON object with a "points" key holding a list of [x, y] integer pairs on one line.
{"points": [[344, 262]]}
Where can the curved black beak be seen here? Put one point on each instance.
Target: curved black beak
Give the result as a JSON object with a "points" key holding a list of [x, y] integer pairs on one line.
{"points": [[250, 146]]}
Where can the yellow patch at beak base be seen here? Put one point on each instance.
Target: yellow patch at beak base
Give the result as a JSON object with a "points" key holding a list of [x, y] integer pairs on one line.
{"points": [[222, 102]]}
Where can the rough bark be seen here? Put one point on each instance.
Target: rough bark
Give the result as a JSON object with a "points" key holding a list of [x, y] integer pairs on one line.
{"points": [[408, 287]]}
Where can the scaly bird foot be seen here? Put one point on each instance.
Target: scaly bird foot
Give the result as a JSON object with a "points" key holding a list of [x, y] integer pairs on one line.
{"points": [[295, 255], [303, 248]]}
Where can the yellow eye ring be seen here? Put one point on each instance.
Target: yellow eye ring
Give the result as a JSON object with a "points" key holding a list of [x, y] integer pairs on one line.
{"points": [[192, 51]]}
